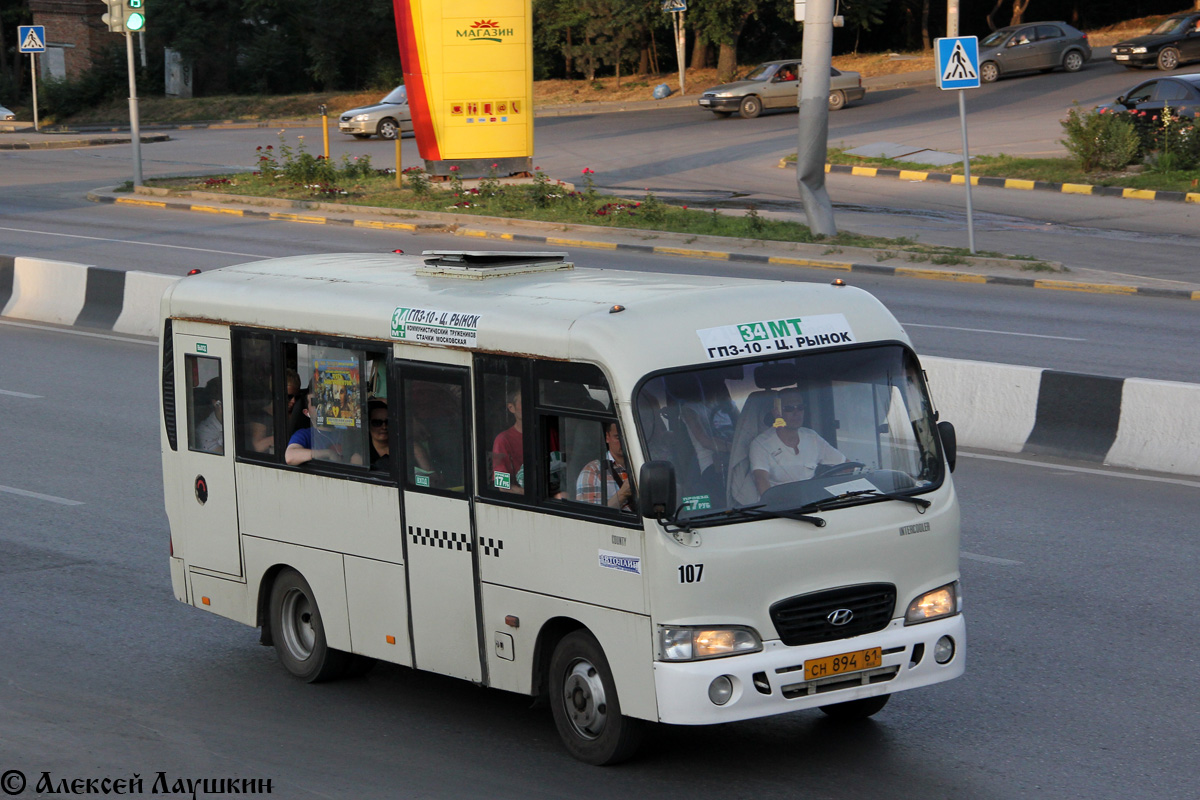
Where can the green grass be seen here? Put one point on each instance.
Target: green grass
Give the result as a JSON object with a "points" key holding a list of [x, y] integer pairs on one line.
{"points": [[544, 202], [1052, 170]]}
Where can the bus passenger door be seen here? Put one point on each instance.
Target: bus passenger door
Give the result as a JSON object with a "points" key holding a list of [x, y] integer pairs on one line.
{"points": [[206, 527], [439, 537]]}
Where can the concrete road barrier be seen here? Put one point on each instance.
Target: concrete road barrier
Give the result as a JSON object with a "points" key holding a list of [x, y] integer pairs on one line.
{"points": [[1122, 422]]}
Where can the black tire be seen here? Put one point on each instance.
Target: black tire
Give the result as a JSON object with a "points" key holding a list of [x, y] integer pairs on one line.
{"points": [[1073, 61], [584, 702], [988, 72], [751, 107], [837, 100], [857, 709], [1168, 59], [299, 633], [388, 129]]}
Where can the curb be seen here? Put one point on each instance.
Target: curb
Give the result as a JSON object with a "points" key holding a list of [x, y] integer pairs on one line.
{"points": [[454, 224], [1116, 422], [73, 143], [1008, 183]]}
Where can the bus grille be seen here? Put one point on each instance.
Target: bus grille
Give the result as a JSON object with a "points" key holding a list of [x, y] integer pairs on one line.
{"points": [[805, 619]]}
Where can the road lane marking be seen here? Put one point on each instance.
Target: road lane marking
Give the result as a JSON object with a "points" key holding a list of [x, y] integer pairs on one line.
{"points": [[1004, 562], [130, 241], [7, 393], [73, 332], [49, 498], [985, 330], [1111, 473]]}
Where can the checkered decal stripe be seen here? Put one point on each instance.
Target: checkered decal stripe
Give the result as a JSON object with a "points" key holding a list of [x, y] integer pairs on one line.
{"points": [[449, 540], [444, 539]]}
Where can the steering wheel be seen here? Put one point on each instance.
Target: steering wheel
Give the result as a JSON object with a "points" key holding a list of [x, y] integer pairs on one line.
{"points": [[832, 470]]}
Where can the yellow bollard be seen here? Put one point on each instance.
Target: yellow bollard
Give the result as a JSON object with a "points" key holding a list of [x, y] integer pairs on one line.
{"points": [[325, 130], [399, 163]]}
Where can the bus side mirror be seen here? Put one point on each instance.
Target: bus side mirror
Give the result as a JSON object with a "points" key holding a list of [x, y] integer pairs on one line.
{"points": [[656, 484], [949, 443]]}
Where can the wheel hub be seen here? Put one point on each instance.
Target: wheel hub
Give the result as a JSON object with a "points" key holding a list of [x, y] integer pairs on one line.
{"points": [[583, 693]]}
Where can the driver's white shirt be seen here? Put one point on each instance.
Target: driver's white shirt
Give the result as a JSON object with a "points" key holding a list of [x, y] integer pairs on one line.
{"points": [[784, 464]]}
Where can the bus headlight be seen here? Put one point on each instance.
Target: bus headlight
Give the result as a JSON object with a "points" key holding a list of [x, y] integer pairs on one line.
{"points": [[944, 601], [693, 644]]}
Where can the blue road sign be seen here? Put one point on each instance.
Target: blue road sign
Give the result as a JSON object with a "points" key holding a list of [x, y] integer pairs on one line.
{"points": [[957, 62], [31, 38]]}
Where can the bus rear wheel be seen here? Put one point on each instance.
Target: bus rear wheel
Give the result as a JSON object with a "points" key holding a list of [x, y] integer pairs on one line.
{"points": [[299, 633], [583, 699]]}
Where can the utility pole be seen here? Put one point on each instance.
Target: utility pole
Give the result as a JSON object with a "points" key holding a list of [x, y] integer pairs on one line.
{"points": [[952, 18], [814, 116]]}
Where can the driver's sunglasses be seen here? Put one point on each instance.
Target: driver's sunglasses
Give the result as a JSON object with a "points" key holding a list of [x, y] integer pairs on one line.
{"points": [[379, 423]]}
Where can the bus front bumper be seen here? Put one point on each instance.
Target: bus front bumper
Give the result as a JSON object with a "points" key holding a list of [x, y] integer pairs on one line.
{"points": [[773, 681]]}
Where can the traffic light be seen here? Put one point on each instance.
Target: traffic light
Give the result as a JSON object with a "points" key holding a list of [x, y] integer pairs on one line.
{"points": [[135, 16], [124, 16], [115, 17]]}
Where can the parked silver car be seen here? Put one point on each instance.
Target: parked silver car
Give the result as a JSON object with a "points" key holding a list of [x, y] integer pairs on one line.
{"points": [[6, 114], [387, 119], [1033, 46], [775, 84]]}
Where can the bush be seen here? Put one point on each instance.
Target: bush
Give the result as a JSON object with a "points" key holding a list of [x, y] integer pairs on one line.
{"points": [[1100, 141]]}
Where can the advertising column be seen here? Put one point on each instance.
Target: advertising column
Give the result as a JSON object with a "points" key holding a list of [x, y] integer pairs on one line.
{"points": [[468, 66]]}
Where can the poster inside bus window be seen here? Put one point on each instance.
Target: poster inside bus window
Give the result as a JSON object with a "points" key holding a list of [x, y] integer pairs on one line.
{"points": [[337, 401]]}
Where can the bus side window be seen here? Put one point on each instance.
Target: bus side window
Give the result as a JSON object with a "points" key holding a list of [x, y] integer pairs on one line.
{"points": [[503, 437], [337, 431], [434, 435], [253, 395], [205, 405]]}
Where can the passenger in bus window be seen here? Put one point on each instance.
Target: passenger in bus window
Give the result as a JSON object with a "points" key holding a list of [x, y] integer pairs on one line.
{"points": [[310, 443], [377, 414], [210, 433], [608, 483], [508, 450], [792, 452]]}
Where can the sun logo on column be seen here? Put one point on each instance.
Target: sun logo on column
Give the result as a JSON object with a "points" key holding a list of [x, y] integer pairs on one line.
{"points": [[485, 30]]}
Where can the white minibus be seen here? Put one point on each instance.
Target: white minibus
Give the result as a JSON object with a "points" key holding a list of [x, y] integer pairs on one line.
{"points": [[643, 497]]}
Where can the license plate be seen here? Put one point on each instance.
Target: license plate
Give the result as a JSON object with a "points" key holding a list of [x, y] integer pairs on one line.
{"points": [[705, 101], [841, 664], [1121, 58]]}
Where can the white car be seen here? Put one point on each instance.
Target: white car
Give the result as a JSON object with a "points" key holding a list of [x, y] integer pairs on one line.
{"points": [[388, 118], [6, 114]]}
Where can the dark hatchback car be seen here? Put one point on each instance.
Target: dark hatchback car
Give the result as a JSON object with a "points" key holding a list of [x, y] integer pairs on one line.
{"points": [[1033, 46], [1180, 92], [1174, 41]]}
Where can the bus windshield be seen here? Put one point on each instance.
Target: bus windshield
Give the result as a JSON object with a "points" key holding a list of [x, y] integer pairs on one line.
{"points": [[843, 426]]}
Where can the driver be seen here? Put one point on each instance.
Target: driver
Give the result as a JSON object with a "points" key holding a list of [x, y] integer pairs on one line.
{"points": [[792, 452]]}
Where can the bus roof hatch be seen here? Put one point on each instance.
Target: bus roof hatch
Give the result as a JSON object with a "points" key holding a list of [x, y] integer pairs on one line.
{"points": [[478, 264]]}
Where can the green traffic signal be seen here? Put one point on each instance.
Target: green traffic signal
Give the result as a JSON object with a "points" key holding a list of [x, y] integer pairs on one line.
{"points": [[135, 21]]}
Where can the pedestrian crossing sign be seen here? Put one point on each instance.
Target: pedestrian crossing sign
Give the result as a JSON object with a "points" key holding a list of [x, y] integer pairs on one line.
{"points": [[31, 38], [957, 62]]}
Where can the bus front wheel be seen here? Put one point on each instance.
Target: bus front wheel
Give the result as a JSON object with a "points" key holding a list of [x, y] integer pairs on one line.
{"points": [[583, 699], [299, 633]]}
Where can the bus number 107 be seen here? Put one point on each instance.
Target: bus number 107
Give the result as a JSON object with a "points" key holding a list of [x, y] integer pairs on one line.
{"points": [[691, 573]]}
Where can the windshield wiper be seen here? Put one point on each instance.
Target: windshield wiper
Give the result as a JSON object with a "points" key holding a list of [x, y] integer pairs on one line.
{"points": [[821, 505], [744, 513]]}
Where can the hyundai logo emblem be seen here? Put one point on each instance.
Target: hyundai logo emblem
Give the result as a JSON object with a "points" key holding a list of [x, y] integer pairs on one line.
{"points": [[840, 617]]}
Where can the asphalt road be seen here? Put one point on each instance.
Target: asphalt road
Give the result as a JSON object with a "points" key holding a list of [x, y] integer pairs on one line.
{"points": [[1079, 591]]}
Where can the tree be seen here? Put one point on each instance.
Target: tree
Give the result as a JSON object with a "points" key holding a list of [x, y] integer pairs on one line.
{"points": [[862, 15], [721, 22], [1019, 7]]}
